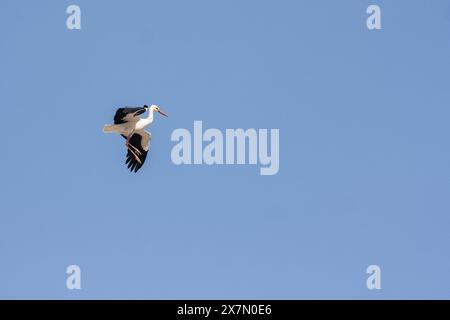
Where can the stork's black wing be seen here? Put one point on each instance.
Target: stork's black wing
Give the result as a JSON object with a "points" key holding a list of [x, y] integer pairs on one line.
{"points": [[141, 142], [128, 114]]}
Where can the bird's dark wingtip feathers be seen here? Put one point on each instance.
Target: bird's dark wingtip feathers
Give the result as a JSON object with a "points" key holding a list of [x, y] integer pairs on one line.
{"points": [[131, 162]]}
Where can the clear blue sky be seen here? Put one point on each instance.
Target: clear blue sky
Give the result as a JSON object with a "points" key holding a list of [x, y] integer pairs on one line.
{"points": [[364, 150]]}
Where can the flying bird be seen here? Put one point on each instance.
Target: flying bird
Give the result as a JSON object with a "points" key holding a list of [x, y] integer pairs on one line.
{"points": [[129, 125]]}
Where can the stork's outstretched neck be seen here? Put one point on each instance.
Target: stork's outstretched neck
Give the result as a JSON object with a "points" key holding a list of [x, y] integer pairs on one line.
{"points": [[150, 114]]}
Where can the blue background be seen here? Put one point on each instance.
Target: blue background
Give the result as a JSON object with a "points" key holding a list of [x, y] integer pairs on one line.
{"points": [[364, 150]]}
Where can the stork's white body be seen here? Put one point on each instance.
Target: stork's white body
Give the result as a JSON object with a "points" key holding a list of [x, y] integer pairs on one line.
{"points": [[130, 127]]}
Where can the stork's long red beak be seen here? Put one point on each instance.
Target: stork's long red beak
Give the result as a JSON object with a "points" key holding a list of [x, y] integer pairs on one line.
{"points": [[165, 115]]}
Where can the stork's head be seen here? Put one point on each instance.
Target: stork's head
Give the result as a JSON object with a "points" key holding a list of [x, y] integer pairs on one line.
{"points": [[155, 108]]}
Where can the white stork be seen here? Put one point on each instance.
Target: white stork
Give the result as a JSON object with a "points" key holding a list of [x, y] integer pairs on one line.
{"points": [[129, 125]]}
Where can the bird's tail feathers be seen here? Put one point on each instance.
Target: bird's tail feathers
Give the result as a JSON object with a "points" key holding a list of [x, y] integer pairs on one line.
{"points": [[109, 128]]}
